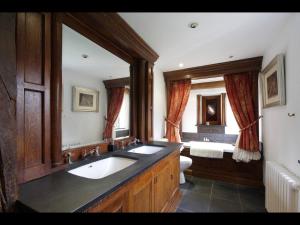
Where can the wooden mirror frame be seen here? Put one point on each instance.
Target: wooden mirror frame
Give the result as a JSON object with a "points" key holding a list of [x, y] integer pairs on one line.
{"points": [[111, 32]]}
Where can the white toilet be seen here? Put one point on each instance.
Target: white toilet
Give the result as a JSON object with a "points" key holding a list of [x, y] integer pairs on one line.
{"points": [[185, 162]]}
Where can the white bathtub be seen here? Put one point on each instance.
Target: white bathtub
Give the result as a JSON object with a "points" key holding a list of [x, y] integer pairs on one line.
{"points": [[226, 147]]}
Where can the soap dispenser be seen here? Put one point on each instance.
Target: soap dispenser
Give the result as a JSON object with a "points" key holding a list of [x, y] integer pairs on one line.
{"points": [[111, 146]]}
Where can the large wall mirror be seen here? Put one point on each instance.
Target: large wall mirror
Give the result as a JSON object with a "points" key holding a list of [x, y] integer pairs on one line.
{"points": [[95, 93]]}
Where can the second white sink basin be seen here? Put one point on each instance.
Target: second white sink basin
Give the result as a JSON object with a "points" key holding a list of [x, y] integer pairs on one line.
{"points": [[102, 168], [146, 149]]}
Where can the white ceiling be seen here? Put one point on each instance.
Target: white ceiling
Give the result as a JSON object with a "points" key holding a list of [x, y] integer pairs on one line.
{"points": [[218, 36], [100, 62]]}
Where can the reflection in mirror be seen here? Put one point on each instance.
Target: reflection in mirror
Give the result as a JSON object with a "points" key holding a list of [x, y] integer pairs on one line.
{"points": [[92, 110]]}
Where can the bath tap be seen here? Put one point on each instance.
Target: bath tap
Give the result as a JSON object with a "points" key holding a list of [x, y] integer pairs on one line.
{"points": [[206, 139]]}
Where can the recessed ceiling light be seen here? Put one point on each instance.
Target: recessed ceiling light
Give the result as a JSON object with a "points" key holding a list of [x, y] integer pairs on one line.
{"points": [[180, 65], [193, 25], [84, 56]]}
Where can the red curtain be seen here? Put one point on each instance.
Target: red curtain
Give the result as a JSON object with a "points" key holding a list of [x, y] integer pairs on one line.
{"points": [[241, 90], [178, 97], [114, 107]]}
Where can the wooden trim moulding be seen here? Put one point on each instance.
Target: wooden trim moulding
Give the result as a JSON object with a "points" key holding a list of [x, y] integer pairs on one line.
{"points": [[120, 82], [215, 70], [114, 34], [208, 85]]}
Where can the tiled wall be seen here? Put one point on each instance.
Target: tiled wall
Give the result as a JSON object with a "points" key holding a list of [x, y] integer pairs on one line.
{"points": [[213, 137], [217, 129]]}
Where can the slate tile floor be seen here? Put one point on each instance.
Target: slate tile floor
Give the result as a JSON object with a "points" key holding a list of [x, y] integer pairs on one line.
{"points": [[203, 195]]}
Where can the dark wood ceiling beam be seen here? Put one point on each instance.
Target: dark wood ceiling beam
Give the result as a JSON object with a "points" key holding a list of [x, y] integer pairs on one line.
{"points": [[215, 70], [207, 85]]}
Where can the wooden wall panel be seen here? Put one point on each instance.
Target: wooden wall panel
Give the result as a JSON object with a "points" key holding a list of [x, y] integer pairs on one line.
{"points": [[34, 45], [33, 101], [226, 169], [33, 129]]}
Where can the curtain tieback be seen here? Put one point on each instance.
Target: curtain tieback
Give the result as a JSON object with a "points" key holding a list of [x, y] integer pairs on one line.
{"points": [[172, 123], [251, 124], [107, 121]]}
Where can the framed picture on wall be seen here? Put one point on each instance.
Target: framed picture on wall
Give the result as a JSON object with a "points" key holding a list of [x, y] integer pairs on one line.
{"points": [[85, 100], [273, 82]]}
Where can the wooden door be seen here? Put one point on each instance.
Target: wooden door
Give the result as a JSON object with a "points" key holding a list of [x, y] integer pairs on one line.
{"points": [[175, 170], [162, 185], [33, 94], [141, 194]]}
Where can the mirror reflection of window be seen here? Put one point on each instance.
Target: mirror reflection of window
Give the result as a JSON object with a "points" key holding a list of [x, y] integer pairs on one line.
{"points": [[85, 65]]}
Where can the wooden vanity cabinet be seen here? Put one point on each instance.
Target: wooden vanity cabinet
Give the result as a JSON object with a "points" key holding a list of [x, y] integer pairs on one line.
{"points": [[155, 190], [116, 202], [141, 193], [175, 171], [162, 185]]}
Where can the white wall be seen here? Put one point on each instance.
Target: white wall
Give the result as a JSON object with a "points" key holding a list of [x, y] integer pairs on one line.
{"points": [[281, 134], [82, 127], [159, 104], [189, 119]]}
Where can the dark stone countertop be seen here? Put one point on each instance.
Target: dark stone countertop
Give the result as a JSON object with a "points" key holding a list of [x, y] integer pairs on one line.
{"points": [[65, 192]]}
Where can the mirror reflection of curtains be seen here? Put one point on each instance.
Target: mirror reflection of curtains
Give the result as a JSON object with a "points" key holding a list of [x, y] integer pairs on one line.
{"points": [[122, 122], [118, 108], [116, 96]]}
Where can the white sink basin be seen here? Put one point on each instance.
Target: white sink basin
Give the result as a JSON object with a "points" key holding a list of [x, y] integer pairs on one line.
{"points": [[146, 149], [102, 168]]}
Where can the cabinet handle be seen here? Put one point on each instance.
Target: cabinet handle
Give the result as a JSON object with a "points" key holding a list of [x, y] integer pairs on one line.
{"points": [[171, 176]]}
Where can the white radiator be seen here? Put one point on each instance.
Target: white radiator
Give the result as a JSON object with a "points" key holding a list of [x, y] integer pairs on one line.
{"points": [[282, 189]]}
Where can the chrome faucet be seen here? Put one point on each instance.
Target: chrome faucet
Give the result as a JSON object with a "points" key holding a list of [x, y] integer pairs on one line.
{"points": [[122, 145], [69, 157], [97, 151], [134, 141], [206, 139]]}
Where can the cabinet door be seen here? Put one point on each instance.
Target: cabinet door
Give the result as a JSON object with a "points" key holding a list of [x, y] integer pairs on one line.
{"points": [[141, 194], [33, 100], [175, 170], [115, 203], [162, 185]]}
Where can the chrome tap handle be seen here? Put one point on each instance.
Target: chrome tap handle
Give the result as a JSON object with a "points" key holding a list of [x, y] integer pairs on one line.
{"points": [[69, 157], [122, 145], [97, 153]]}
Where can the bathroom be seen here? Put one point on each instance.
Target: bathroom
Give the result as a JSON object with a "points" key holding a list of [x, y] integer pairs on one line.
{"points": [[127, 119]]}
